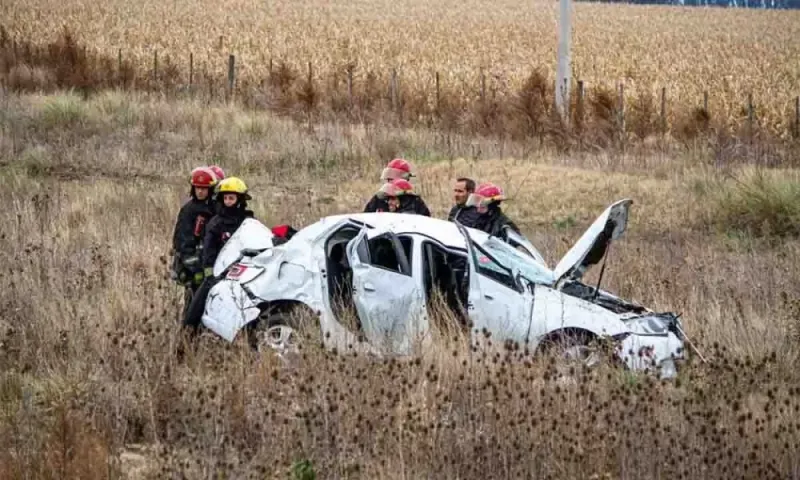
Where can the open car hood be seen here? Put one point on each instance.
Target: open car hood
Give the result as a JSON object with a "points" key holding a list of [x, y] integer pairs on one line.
{"points": [[592, 246]]}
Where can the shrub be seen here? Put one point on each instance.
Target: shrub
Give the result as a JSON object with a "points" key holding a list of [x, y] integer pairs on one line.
{"points": [[756, 202]]}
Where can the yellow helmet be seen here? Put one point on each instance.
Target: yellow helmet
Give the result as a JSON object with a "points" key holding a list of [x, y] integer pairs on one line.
{"points": [[232, 185]]}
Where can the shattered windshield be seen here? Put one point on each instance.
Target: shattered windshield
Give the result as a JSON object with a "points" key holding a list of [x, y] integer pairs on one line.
{"points": [[511, 258]]}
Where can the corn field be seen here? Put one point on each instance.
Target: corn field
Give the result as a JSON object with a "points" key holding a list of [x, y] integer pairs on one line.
{"points": [[738, 66]]}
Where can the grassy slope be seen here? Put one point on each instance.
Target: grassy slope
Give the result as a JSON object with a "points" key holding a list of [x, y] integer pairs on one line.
{"points": [[89, 337]]}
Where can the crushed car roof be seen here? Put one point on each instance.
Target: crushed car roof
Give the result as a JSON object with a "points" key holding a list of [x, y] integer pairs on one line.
{"points": [[444, 231]]}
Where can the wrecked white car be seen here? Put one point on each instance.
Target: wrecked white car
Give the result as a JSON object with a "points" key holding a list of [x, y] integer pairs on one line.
{"points": [[386, 268]]}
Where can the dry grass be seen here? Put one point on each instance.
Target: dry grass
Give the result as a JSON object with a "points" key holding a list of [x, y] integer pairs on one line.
{"points": [[729, 53], [91, 382]]}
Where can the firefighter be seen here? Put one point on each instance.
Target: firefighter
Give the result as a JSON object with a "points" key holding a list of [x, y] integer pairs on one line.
{"points": [[187, 238], [400, 197], [220, 173], [232, 197], [397, 168], [490, 218]]}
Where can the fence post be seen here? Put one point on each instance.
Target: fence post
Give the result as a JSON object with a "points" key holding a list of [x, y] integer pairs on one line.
{"points": [[750, 114], [579, 107], [622, 108], [705, 101], [191, 69], [231, 75], [350, 83], [483, 87], [119, 67], [664, 110], [438, 95], [797, 117], [155, 65], [399, 97], [393, 89]]}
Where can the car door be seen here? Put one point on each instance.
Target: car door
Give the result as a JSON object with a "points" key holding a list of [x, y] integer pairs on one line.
{"points": [[498, 302], [387, 297]]}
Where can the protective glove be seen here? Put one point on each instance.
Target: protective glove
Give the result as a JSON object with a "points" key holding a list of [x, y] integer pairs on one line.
{"points": [[199, 277], [191, 262], [209, 272]]}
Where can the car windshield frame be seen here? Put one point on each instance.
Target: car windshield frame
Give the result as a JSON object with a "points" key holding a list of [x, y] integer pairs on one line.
{"points": [[514, 260]]}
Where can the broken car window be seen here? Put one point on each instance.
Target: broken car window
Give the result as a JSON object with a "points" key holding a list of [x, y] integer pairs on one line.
{"points": [[383, 255], [488, 267], [509, 257]]}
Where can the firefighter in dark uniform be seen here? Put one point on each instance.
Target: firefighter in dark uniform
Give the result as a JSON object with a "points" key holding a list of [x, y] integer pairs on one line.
{"points": [[488, 216], [187, 238], [400, 197], [232, 197], [398, 168]]}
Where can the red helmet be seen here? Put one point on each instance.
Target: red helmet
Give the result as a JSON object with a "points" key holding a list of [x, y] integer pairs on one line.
{"points": [[218, 172], [203, 177], [283, 231], [485, 194], [397, 168], [396, 188]]}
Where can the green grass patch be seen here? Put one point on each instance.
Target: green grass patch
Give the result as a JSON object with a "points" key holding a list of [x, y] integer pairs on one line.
{"points": [[66, 110], [755, 202]]}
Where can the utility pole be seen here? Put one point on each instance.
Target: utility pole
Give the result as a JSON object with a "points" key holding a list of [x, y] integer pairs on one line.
{"points": [[563, 69]]}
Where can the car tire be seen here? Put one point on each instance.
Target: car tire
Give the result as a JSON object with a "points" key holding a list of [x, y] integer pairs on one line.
{"points": [[277, 330], [572, 346]]}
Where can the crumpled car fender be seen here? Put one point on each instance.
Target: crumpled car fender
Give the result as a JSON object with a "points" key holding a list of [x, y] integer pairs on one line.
{"points": [[554, 310], [232, 304], [228, 308], [285, 280]]}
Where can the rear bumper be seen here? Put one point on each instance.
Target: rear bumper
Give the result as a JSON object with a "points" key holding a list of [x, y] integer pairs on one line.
{"points": [[228, 309]]}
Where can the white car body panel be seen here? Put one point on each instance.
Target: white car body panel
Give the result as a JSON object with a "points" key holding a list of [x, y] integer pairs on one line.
{"points": [[228, 309], [552, 310], [250, 234], [392, 304]]}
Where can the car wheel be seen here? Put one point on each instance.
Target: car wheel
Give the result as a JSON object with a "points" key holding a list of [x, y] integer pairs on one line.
{"points": [[274, 331], [285, 328], [581, 354], [573, 348]]}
